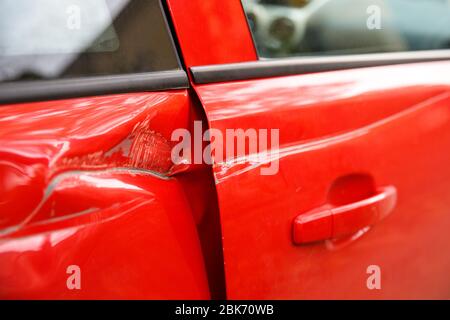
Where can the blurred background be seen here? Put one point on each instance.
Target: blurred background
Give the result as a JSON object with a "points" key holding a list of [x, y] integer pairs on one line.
{"points": [[328, 27]]}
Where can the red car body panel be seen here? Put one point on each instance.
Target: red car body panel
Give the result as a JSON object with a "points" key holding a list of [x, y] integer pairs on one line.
{"points": [[212, 32], [41, 140], [136, 240], [387, 124], [87, 182]]}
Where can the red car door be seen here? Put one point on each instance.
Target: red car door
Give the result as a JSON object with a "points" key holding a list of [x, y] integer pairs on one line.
{"points": [[361, 179], [89, 205]]}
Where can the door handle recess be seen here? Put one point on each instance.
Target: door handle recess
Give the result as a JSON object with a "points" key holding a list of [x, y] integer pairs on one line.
{"points": [[329, 222]]}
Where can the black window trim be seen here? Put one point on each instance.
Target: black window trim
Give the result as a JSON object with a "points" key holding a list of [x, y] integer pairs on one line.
{"points": [[40, 90], [265, 68], [27, 91]]}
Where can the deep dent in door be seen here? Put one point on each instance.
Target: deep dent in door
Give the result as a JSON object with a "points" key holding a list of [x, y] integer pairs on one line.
{"points": [[87, 182]]}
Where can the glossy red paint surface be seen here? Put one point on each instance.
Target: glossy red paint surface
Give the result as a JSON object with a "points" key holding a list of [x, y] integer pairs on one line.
{"points": [[86, 182], [40, 140], [131, 234], [212, 32], [390, 124]]}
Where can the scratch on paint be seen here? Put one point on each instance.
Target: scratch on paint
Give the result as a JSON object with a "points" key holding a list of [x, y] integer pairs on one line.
{"points": [[58, 180], [143, 148], [240, 165]]}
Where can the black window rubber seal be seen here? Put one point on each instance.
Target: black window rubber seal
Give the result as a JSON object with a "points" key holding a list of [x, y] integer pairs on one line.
{"points": [[25, 91], [304, 65]]}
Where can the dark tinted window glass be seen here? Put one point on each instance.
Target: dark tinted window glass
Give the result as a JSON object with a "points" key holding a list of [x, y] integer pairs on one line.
{"points": [[283, 28], [48, 39]]}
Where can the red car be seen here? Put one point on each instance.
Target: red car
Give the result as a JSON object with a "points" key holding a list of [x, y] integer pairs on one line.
{"points": [[224, 149]]}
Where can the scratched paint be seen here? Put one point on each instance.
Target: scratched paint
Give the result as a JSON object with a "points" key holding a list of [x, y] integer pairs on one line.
{"points": [[142, 148], [72, 196], [131, 233], [39, 141]]}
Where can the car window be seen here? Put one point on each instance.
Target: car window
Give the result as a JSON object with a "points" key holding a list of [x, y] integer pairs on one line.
{"points": [[53, 39], [284, 28]]}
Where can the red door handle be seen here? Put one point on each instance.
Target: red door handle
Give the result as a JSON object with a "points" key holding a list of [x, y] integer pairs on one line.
{"points": [[329, 222]]}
